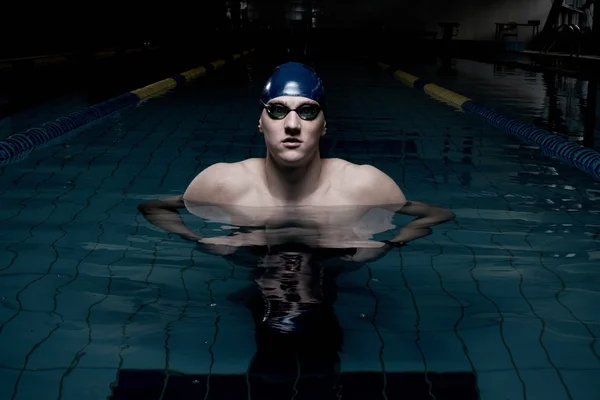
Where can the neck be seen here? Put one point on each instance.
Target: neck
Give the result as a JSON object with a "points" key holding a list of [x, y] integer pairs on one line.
{"points": [[292, 184]]}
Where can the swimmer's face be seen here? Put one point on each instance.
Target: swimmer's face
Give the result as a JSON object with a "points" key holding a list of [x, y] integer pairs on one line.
{"points": [[292, 140]]}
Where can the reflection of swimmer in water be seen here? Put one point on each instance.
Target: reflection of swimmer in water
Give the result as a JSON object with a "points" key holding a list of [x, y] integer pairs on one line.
{"points": [[310, 216], [292, 280], [296, 330], [298, 337]]}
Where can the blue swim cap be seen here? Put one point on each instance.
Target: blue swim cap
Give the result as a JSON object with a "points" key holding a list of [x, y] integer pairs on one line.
{"points": [[294, 79]]}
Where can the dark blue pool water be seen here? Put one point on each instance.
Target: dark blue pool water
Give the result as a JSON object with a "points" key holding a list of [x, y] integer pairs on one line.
{"points": [[500, 303]]}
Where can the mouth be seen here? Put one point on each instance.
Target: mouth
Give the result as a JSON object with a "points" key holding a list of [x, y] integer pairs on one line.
{"points": [[292, 142]]}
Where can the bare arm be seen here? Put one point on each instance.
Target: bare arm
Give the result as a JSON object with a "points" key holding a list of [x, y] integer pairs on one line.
{"points": [[381, 189], [218, 183], [164, 214], [427, 216]]}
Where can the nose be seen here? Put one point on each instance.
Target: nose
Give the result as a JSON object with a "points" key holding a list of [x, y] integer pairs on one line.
{"points": [[292, 122]]}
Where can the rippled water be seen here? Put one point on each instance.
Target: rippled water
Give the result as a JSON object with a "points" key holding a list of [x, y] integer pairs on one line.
{"points": [[97, 301]]}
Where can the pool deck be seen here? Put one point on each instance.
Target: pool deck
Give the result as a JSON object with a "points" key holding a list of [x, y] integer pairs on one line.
{"points": [[584, 66], [553, 54], [9, 64]]}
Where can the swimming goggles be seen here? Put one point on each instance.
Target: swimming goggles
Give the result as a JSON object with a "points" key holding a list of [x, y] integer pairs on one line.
{"points": [[307, 112]]}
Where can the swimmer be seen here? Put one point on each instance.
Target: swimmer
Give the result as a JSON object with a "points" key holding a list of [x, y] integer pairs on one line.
{"points": [[293, 179]]}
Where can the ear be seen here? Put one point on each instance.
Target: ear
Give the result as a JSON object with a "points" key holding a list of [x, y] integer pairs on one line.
{"points": [[324, 128], [259, 126]]}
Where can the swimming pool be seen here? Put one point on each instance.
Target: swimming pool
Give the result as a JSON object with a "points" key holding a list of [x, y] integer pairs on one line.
{"points": [[97, 301]]}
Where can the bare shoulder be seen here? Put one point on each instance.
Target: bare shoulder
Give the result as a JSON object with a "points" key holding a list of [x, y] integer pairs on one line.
{"points": [[369, 185], [220, 183]]}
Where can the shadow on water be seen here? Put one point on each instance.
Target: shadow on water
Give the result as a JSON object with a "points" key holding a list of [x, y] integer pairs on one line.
{"points": [[294, 260], [148, 385], [298, 341]]}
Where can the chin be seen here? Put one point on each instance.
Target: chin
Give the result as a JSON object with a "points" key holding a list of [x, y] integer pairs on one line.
{"points": [[291, 158], [292, 161]]}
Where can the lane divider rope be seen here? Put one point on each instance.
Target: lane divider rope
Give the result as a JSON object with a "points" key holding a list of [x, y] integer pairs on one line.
{"points": [[19, 145], [574, 154]]}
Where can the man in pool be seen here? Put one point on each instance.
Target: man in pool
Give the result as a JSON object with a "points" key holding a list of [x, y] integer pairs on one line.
{"points": [[295, 180], [297, 222]]}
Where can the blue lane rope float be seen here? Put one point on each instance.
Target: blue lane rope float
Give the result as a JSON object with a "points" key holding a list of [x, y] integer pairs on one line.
{"points": [[18, 145], [583, 158]]}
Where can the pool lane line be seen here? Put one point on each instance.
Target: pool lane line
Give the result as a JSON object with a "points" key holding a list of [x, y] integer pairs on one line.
{"points": [[17, 146], [576, 155]]}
